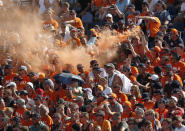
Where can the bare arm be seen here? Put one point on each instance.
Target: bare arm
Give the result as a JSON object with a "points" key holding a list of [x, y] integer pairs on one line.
{"points": [[146, 18], [132, 49]]}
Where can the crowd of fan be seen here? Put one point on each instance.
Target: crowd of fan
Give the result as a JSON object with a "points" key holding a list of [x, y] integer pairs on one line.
{"points": [[142, 89]]}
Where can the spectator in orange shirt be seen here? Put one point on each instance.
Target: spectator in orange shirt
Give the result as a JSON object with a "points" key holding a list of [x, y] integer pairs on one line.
{"points": [[153, 24], [9, 75], [30, 89], [161, 110], [178, 66], [27, 121], [75, 21], [121, 97], [148, 104], [49, 93], [50, 23], [74, 41], [128, 112], [21, 108], [24, 77], [45, 118], [104, 124]]}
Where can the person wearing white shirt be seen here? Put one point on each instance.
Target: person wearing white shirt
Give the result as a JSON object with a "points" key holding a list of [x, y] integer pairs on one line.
{"points": [[178, 123]]}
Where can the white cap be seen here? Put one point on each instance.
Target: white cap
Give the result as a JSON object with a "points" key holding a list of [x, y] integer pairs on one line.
{"points": [[23, 68], [109, 15], [154, 77], [1, 86], [174, 98], [11, 84], [30, 84]]}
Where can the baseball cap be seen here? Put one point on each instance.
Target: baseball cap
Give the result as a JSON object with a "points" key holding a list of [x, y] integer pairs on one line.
{"points": [[11, 84], [109, 15], [21, 102], [110, 65], [174, 98], [30, 84], [23, 68]]}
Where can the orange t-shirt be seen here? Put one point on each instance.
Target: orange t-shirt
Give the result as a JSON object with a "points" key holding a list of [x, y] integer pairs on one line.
{"points": [[154, 61], [78, 23], [47, 120], [9, 78], [122, 98], [179, 68], [153, 27], [175, 77], [149, 105], [127, 115], [98, 3], [50, 95], [52, 22], [109, 3], [33, 95], [150, 70], [19, 112], [23, 83], [162, 114], [26, 123]]}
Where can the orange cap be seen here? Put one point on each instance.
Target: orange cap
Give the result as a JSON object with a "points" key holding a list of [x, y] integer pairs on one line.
{"points": [[127, 103], [157, 49], [41, 75], [113, 95], [175, 31], [100, 87]]}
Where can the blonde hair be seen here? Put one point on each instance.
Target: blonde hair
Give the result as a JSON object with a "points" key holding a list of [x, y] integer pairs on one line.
{"points": [[137, 92]]}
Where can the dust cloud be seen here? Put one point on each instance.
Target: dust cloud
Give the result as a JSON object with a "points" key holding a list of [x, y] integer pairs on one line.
{"points": [[26, 41]]}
